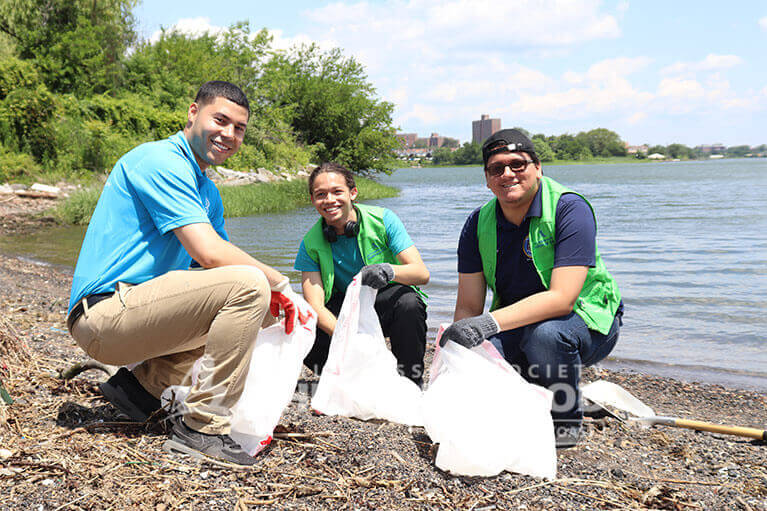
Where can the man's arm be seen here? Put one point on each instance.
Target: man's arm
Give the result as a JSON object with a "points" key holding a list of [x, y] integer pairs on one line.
{"points": [[211, 251], [558, 300], [314, 294], [411, 270], [471, 295]]}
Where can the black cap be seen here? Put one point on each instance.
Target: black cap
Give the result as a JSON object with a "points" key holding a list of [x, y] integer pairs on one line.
{"points": [[507, 140]]}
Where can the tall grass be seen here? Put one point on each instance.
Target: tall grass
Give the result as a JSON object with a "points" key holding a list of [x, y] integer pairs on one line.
{"points": [[78, 208], [238, 200]]}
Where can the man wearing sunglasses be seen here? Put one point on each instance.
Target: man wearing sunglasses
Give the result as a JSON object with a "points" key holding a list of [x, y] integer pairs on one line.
{"points": [[555, 306]]}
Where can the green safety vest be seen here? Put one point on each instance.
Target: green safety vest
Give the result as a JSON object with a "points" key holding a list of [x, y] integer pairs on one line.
{"points": [[372, 241], [599, 298]]}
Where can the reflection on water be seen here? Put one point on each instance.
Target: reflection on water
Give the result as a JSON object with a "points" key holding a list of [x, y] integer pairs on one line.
{"points": [[687, 248], [59, 245]]}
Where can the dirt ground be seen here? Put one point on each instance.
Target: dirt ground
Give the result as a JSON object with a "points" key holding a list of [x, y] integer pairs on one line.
{"points": [[19, 215], [63, 447]]}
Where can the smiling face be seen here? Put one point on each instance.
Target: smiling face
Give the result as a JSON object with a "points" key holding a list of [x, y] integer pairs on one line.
{"points": [[514, 189], [215, 130], [332, 198]]}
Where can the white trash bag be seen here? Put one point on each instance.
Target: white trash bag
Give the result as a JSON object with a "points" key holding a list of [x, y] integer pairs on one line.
{"points": [[485, 416], [271, 382], [360, 378]]}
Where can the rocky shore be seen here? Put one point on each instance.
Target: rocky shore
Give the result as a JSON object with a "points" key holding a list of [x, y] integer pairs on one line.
{"points": [[63, 447]]}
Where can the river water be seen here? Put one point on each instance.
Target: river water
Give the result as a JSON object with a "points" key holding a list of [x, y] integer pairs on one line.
{"points": [[686, 241]]}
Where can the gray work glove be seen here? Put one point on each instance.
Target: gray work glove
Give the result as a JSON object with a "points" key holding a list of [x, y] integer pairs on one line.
{"points": [[377, 275], [470, 332]]}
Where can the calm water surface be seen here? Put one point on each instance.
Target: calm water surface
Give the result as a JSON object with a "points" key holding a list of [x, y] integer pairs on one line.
{"points": [[686, 242]]}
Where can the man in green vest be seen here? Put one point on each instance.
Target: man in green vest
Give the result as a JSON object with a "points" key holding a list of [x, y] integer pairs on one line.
{"points": [[351, 238], [555, 306]]}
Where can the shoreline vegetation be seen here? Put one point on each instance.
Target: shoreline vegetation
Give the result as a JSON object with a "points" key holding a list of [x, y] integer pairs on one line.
{"points": [[241, 200], [62, 436]]}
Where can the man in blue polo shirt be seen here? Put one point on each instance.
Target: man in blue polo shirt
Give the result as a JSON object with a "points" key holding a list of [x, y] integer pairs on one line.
{"points": [[134, 299], [555, 306]]}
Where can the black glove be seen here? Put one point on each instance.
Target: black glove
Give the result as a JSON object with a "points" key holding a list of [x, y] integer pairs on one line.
{"points": [[470, 332], [377, 275]]}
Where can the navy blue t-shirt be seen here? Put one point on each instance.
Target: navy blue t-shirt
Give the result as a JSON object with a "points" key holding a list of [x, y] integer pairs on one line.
{"points": [[515, 276]]}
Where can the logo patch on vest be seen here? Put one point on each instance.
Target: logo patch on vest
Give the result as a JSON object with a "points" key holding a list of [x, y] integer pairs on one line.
{"points": [[526, 247], [544, 240]]}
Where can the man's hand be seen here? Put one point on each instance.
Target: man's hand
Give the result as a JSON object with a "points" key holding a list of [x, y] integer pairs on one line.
{"points": [[284, 297], [377, 275], [470, 332]]}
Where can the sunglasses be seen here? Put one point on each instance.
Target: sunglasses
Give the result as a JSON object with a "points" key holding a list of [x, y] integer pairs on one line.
{"points": [[516, 165]]}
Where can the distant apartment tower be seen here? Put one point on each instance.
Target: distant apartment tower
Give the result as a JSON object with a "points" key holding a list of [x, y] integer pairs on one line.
{"points": [[483, 128], [407, 139]]}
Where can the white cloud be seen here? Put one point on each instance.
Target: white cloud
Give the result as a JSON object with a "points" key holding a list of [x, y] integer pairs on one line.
{"points": [[763, 23], [637, 117], [460, 56], [431, 25], [194, 27], [678, 88], [712, 62]]}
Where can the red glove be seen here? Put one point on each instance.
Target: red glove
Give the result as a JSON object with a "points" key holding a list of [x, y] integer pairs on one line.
{"points": [[283, 298]]}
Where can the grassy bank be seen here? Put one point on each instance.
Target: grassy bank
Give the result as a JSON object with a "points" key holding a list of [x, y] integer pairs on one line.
{"points": [[238, 200]]}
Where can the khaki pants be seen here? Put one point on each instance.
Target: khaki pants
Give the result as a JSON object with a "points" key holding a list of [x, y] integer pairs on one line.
{"points": [[168, 322]]}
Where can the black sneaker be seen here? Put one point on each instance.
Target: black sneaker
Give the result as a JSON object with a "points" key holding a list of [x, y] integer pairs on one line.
{"points": [[126, 394], [218, 449]]}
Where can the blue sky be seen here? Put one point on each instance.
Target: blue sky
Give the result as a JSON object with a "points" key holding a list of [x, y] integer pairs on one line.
{"points": [[653, 71]]}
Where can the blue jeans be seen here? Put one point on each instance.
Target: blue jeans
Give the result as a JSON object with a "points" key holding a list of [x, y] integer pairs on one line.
{"points": [[551, 354]]}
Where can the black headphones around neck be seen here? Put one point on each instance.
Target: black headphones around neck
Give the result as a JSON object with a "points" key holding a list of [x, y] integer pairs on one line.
{"points": [[351, 229]]}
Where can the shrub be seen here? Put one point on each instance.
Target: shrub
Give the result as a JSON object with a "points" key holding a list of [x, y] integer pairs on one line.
{"points": [[15, 166]]}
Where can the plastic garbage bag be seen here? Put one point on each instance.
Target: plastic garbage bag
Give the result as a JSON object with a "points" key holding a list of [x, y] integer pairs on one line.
{"points": [[485, 416], [360, 378], [271, 382]]}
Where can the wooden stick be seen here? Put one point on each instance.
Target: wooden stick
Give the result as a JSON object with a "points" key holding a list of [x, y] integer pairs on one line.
{"points": [[758, 434]]}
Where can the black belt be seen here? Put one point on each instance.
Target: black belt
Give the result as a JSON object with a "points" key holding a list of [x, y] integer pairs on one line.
{"points": [[78, 310]]}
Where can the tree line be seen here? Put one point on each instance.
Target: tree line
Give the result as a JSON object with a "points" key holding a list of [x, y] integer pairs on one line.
{"points": [[78, 89], [597, 143]]}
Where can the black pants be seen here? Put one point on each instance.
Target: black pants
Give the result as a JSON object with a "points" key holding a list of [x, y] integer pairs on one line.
{"points": [[402, 314]]}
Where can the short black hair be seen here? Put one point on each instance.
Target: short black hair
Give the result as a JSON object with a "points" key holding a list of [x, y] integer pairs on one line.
{"points": [[209, 91], [332, 167]]}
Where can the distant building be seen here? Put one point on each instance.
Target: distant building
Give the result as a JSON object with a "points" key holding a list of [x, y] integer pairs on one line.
{"points": [[711, 149], [408, 139], [435, 141], [483, 128], [634, 149]]}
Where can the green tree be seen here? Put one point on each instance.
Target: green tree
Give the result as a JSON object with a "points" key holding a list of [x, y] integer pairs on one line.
{"points": [[442, 156], [738, 150], [567, 147], [602, 142], [79, 45], [331, 106], [542, 148], [173, 67], [657, 149], [468, 154], [679, 151]]}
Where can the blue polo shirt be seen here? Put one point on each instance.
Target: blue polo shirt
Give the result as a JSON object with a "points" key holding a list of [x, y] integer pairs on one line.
{"points": [[151, 190], [515, 276], [347, 259]]}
